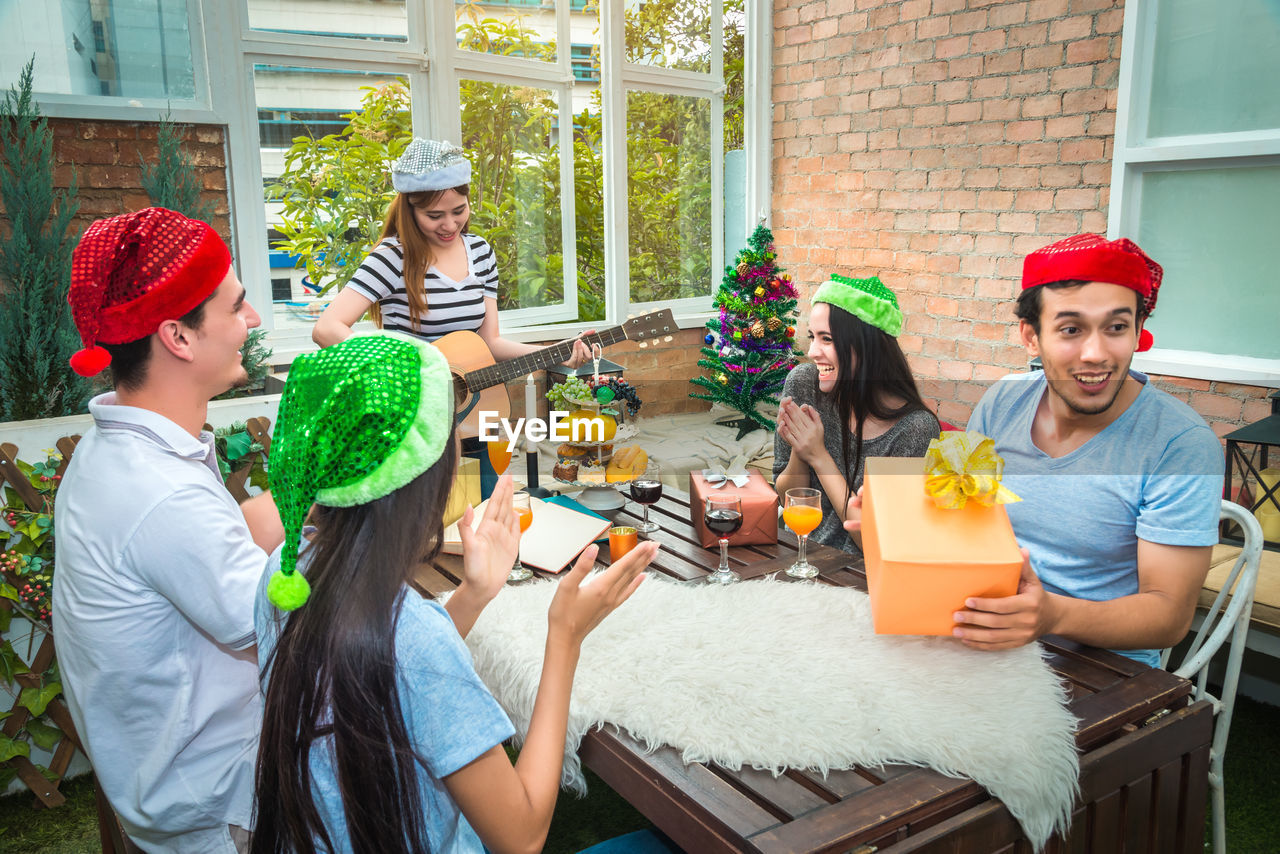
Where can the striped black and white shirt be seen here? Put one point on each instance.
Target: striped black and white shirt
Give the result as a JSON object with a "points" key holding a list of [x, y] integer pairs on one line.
{"points": [[451, 305]]}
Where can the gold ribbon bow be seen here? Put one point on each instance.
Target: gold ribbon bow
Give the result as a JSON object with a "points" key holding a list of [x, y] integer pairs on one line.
{"points": [[961, 466]]}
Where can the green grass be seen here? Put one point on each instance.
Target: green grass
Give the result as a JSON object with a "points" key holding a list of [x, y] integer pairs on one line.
{"points": [[1252, 772]]}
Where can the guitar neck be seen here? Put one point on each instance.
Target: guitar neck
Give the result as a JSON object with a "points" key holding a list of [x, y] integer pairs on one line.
{"points": [[514, 369]]}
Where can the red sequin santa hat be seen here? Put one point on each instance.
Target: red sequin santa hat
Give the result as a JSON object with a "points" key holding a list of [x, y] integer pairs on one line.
{"points": [[1093, 258], [132, 272]]}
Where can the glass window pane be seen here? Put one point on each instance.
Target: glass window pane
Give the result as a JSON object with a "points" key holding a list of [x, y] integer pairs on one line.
{"points": [[525, 28], [327, 139], [378, 20], [125, 48], [1214, 232], [671, 33], [735, 156], [511, 136], [668, 195], [1216, 67]]}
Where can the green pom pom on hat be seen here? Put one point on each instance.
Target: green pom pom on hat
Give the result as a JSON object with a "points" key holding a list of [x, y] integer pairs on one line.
{"points": [[357, 421], [288, 591], [866, 299]]}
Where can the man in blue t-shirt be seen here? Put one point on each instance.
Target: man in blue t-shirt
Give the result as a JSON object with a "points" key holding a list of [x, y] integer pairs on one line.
{"points": [[1120, 482]]}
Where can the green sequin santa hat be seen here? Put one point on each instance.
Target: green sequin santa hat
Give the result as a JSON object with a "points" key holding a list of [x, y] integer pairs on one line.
{"points": [[357, 421], [867, 299]]}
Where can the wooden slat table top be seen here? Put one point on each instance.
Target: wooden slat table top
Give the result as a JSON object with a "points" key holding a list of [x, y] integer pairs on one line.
{"points": [[706, 807]]}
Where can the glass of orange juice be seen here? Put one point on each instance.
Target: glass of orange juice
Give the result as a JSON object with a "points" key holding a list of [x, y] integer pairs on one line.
{"points": [[524, 513], [622, 539], [499, 454], [802, 513]]}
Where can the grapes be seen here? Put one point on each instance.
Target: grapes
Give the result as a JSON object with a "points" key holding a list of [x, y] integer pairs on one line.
{"points": [[574, 390]]}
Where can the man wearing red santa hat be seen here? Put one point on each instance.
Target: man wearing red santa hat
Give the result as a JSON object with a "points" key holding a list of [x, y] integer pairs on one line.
{"points": [[1121, 483], [153, 605]]}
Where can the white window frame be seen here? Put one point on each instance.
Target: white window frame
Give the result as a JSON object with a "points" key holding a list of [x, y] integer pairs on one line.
{"points": [[1135, 155], [225, 48]]}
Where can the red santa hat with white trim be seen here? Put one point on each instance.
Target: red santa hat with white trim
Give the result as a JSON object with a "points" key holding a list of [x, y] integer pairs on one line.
{"points": [[132, 272]]}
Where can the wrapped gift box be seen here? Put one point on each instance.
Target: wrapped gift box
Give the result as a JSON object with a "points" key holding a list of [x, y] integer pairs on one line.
{"points": [[923, 562], [466, 488], [759, 509]]}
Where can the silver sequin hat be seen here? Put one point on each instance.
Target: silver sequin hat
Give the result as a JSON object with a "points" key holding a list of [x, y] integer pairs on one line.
{"points": [[429, 165]]}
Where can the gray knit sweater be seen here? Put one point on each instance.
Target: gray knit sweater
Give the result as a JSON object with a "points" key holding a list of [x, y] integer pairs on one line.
{"points": [[908, 438]]}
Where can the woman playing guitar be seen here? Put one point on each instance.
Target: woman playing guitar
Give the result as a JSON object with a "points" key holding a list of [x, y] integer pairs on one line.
{"points": [[428, 276]]}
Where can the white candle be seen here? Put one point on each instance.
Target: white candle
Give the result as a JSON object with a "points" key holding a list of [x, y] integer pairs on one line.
{"points": [[530, 406]]}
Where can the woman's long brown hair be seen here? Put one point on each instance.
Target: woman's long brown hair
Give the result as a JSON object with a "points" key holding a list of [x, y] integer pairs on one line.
{"points": [[400, 223]]}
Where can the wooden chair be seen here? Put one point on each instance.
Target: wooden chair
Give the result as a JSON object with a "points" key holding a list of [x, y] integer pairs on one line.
{"points": [[1228, 617], [112, 836]]}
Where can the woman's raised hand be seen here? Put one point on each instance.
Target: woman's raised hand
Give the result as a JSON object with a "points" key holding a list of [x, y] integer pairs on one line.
{"points": [[489, 550], [801, 428], [581, 603]]}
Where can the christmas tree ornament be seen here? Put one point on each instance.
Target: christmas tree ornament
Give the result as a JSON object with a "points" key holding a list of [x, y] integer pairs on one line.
{"points": [[867, 299], [774, 324], [604, 394], [757, 329], [737, 335], [722, 379], [724, 352], [774, 284], [791, 331], [709, 339], [759, 292], [743, 267]]}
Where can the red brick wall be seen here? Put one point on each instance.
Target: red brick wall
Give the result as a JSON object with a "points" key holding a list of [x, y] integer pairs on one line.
{"points": [[106, 157], [934, 143]]}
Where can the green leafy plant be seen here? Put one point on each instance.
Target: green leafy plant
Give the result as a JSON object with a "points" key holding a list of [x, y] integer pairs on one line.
{"points": [[172, 181], [255, 357], [26, 581], [334, 190], [231, 445], [37, 335]]}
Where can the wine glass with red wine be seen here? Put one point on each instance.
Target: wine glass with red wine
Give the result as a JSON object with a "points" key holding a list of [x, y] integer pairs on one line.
{"points": [[646, 489], [723, 516]]}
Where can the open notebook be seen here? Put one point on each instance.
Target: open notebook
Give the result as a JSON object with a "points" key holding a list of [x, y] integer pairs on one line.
{"points": [[555, 537]]}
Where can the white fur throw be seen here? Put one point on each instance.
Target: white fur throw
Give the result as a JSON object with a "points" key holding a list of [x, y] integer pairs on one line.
{"points": [[777, 675]]}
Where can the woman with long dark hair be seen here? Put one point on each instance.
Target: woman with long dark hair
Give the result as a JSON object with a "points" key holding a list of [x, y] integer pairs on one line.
{"points": [[856, 399], [377, 734], [428, 275]]}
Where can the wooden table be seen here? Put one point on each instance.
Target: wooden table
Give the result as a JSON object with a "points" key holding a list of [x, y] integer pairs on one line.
{"points": [[1143, 767]]}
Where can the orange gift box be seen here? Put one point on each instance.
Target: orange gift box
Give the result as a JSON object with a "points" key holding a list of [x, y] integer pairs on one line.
{"points": [[759, 510], [923, 562]]}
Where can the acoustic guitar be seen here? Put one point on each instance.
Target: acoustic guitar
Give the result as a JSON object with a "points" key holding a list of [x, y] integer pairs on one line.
{"points": [[479, 382]]}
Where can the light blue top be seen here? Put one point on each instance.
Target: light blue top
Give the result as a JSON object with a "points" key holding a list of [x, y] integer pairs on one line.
{"points": [[1155, 473], [450, 716]]}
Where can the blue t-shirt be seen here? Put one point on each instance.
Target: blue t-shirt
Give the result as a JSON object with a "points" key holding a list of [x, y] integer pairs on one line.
{"points": [[1155, 473], [450, 716]]}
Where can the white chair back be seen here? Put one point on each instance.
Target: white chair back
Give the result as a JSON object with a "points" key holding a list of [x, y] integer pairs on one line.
{"points": [[1228, 617]]}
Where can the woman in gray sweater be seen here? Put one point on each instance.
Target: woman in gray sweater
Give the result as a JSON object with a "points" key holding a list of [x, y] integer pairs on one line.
{"points": [[856, 400]]}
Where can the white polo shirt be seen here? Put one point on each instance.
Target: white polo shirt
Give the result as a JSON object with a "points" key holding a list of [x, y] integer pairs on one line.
{"points": [[153, 615]]}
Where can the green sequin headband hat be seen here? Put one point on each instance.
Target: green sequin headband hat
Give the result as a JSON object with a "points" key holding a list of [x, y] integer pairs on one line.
{"points": [[867, 299], [357, 421]]}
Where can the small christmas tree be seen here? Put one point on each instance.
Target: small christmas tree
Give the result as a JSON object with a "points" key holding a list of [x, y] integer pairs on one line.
{"points": [[37, 335], [750, 346]]}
